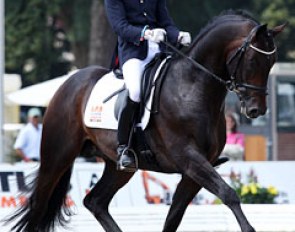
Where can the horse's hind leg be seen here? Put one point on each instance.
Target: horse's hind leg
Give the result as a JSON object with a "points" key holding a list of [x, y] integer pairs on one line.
{"points": [[185, 192], [99, 198]]}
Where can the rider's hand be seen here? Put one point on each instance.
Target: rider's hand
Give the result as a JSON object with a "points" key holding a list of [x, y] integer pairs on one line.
{"points": [[184, 38], [156, 35]]}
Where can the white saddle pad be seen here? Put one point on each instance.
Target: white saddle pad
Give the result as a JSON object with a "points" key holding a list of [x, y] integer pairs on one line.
{"points": [[101, 115]]}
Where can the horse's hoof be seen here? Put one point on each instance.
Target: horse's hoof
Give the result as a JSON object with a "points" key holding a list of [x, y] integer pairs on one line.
{"points": [[249, 229]]}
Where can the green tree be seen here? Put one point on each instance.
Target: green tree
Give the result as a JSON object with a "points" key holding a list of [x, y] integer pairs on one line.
{"points": [[274, 13], [41, 35], [29, 39], [192, 15], [102, 38], [40, 32]]}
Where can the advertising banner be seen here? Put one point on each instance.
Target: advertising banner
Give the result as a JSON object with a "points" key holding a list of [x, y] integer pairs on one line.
{"points": [[146, 187]]}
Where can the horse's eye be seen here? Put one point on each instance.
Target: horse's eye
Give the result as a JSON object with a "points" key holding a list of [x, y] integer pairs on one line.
{"points": [[252, 63]]}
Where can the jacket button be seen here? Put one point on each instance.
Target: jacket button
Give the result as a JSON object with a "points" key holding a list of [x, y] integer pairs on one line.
{"points": [[144, 13], [141, 1]]}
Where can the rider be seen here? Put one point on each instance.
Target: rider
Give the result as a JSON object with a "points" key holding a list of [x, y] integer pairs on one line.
{"points": [[140, 25]]}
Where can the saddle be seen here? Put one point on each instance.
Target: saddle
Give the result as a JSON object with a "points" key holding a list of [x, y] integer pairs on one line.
{"points": [[147, 81]]}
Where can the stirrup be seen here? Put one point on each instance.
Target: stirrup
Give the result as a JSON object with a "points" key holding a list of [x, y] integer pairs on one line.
{"points": [[120, 165]]}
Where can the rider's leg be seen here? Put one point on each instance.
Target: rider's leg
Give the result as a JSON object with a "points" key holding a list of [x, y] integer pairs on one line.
{"points": [[126, 160], [132, 72]]}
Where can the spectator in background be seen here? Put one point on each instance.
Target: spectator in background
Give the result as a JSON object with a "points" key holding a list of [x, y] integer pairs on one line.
{"points": [[28, 141], [234, 147]]}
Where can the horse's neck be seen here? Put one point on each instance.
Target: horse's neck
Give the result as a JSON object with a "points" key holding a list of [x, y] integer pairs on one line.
{"points": [[213, 48], [191, 84], [194, 87], [211, 56]]}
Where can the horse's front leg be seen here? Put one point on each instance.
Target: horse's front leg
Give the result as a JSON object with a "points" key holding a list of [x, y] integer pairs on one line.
{"points": [[98, 200], [198, 168], [185, 192]]}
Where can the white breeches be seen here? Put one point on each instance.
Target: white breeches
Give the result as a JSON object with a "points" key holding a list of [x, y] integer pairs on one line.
{"points": [[133, 69]]}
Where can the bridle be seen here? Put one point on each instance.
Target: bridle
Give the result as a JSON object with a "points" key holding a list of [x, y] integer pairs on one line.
{"points": [[232, 84]]}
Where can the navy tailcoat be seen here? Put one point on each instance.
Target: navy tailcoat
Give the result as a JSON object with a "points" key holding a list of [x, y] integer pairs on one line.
{"points": [[129, 17]]}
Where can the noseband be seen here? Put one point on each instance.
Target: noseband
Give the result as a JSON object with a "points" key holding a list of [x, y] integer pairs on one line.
{"points": [[232, 84]]}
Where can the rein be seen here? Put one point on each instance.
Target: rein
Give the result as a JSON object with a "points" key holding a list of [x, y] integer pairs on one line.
{"points": [[231, 84], [195, 63]]}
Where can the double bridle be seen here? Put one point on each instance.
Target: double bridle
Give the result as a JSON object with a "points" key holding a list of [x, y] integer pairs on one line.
{"points": [[232, 84]]}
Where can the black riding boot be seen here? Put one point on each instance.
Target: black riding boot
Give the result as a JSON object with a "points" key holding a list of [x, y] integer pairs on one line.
{"points": [[126, 159]]}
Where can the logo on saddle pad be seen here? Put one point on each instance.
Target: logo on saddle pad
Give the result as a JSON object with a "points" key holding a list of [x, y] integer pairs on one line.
{"points": [[100, 108]]}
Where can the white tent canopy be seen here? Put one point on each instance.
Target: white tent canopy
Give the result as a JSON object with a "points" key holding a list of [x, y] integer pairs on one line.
{"points": [[39, 94], [12, 82]]}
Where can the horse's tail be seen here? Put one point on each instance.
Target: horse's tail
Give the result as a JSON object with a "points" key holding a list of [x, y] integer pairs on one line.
{"points": [[40, 213]]}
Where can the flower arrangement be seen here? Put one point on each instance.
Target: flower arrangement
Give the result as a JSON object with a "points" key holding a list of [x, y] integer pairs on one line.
{"points": [[252, 192]]}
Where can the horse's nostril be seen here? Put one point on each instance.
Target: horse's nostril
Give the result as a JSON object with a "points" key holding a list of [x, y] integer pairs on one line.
{"points": [[253, 113]]}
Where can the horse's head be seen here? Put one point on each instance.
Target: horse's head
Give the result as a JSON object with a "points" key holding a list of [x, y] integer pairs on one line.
{"points": [[249, 67]]}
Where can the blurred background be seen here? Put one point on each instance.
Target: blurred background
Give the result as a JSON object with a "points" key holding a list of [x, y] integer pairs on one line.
{"points": [[43, 42], [47, 40]]}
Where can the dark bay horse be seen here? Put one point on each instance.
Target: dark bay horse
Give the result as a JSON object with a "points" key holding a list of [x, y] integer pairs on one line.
{"points": [[186, 136]]}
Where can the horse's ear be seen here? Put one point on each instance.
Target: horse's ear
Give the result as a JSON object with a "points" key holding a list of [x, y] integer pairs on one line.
{"points": [[261, 29], [278, 29]]}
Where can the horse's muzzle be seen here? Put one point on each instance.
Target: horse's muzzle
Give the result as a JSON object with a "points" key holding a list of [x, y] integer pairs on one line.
{"points": [[252, 111]]}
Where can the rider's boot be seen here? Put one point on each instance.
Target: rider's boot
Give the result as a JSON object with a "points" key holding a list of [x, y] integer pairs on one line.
{"points": [[126, 157]]}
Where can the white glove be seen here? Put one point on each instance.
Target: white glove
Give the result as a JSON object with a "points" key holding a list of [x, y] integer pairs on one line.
{"points": [[233, 151], [156, 35], [184, 38]]}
